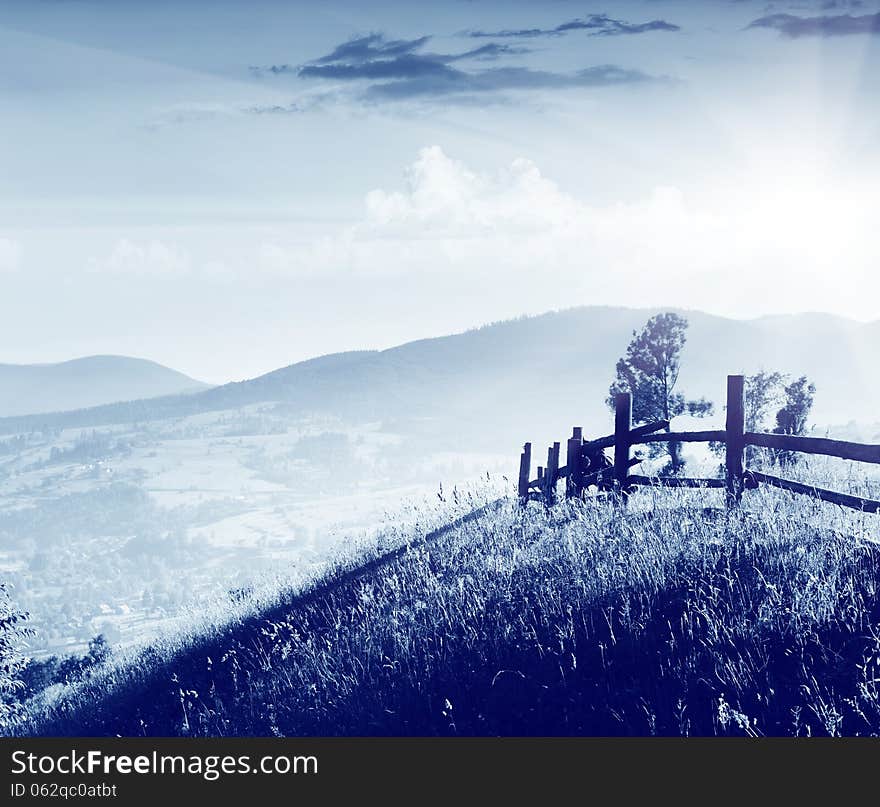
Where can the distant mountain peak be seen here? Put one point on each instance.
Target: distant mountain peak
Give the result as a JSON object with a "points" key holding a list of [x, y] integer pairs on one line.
{"points": [[87, 381]]}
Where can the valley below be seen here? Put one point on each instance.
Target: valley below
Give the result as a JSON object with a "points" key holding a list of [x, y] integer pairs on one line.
{"points": [[116, 530]]}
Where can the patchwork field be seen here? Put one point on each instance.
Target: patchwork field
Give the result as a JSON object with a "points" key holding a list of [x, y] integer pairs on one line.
{"points": [[117, 528]]}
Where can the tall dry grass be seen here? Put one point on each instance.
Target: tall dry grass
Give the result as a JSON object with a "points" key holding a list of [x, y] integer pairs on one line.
{"points": [[667, 616]]}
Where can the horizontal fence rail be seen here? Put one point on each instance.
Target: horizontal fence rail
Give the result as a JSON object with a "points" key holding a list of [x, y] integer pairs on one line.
{"points": [[843, 499], [816, 445], [587, 466], [608, 440], [682, 437]]}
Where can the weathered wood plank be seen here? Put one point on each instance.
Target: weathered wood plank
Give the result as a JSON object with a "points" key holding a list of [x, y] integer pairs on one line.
{"points": [[622, 425], [647, 428], [861, 452], [525, 465], [573, 463], [608, 440], [551, 474], [599, 443], [735, 445], [843, 499], [682, 437]]}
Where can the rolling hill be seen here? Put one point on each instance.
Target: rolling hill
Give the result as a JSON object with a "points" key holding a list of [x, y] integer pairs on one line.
{"points": [[508, 380], [473, 631], [91, 381], [588, 620]]}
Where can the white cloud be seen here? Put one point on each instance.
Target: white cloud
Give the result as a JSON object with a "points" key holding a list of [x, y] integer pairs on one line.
{"points": [[515, 226], [519, 241], [10, 255], [149, 258], [444, 198], [732, 250]]}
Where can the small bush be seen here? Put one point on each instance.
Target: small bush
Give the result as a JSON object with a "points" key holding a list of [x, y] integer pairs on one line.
{"points": [[13, 634]]}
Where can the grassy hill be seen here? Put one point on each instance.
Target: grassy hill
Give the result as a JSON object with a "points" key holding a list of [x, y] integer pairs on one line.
{"points": [[669, 618]]}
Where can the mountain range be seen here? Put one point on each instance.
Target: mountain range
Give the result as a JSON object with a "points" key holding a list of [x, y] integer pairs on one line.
{"points": [[487, 386]]}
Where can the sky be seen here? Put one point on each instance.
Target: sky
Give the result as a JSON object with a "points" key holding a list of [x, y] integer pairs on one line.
{"points": [[229, 187]]}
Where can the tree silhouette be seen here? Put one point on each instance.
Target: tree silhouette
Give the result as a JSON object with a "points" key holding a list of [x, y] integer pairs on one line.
{"points": [[792, 417], [763, 391], [649, 371]]}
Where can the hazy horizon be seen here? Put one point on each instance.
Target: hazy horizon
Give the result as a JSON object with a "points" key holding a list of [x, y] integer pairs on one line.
{"points": [[380, 347]]}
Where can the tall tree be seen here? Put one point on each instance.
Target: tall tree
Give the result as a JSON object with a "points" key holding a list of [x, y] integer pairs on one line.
{"points": [[649, 371], [792, 416], [763, 391]]}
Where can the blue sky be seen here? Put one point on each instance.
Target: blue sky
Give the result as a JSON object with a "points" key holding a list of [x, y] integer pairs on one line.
{"points": [[290, 179]]}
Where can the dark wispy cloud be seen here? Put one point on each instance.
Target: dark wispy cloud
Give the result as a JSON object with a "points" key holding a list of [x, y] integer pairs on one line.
{"points": [[829, 5], [275, 69], [794, 27], [595, 24], [461, 83], [374, 57], [402, 69], [376, 62], [371, 47]]}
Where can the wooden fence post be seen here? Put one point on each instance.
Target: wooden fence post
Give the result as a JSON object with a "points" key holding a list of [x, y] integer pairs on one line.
{"points": [[735, 442], [622, 424], [551, 475], [573, 463], [525, 468]]}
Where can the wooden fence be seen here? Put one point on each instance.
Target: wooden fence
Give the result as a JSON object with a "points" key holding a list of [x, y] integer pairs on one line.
{"points": [[586, 464]]}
